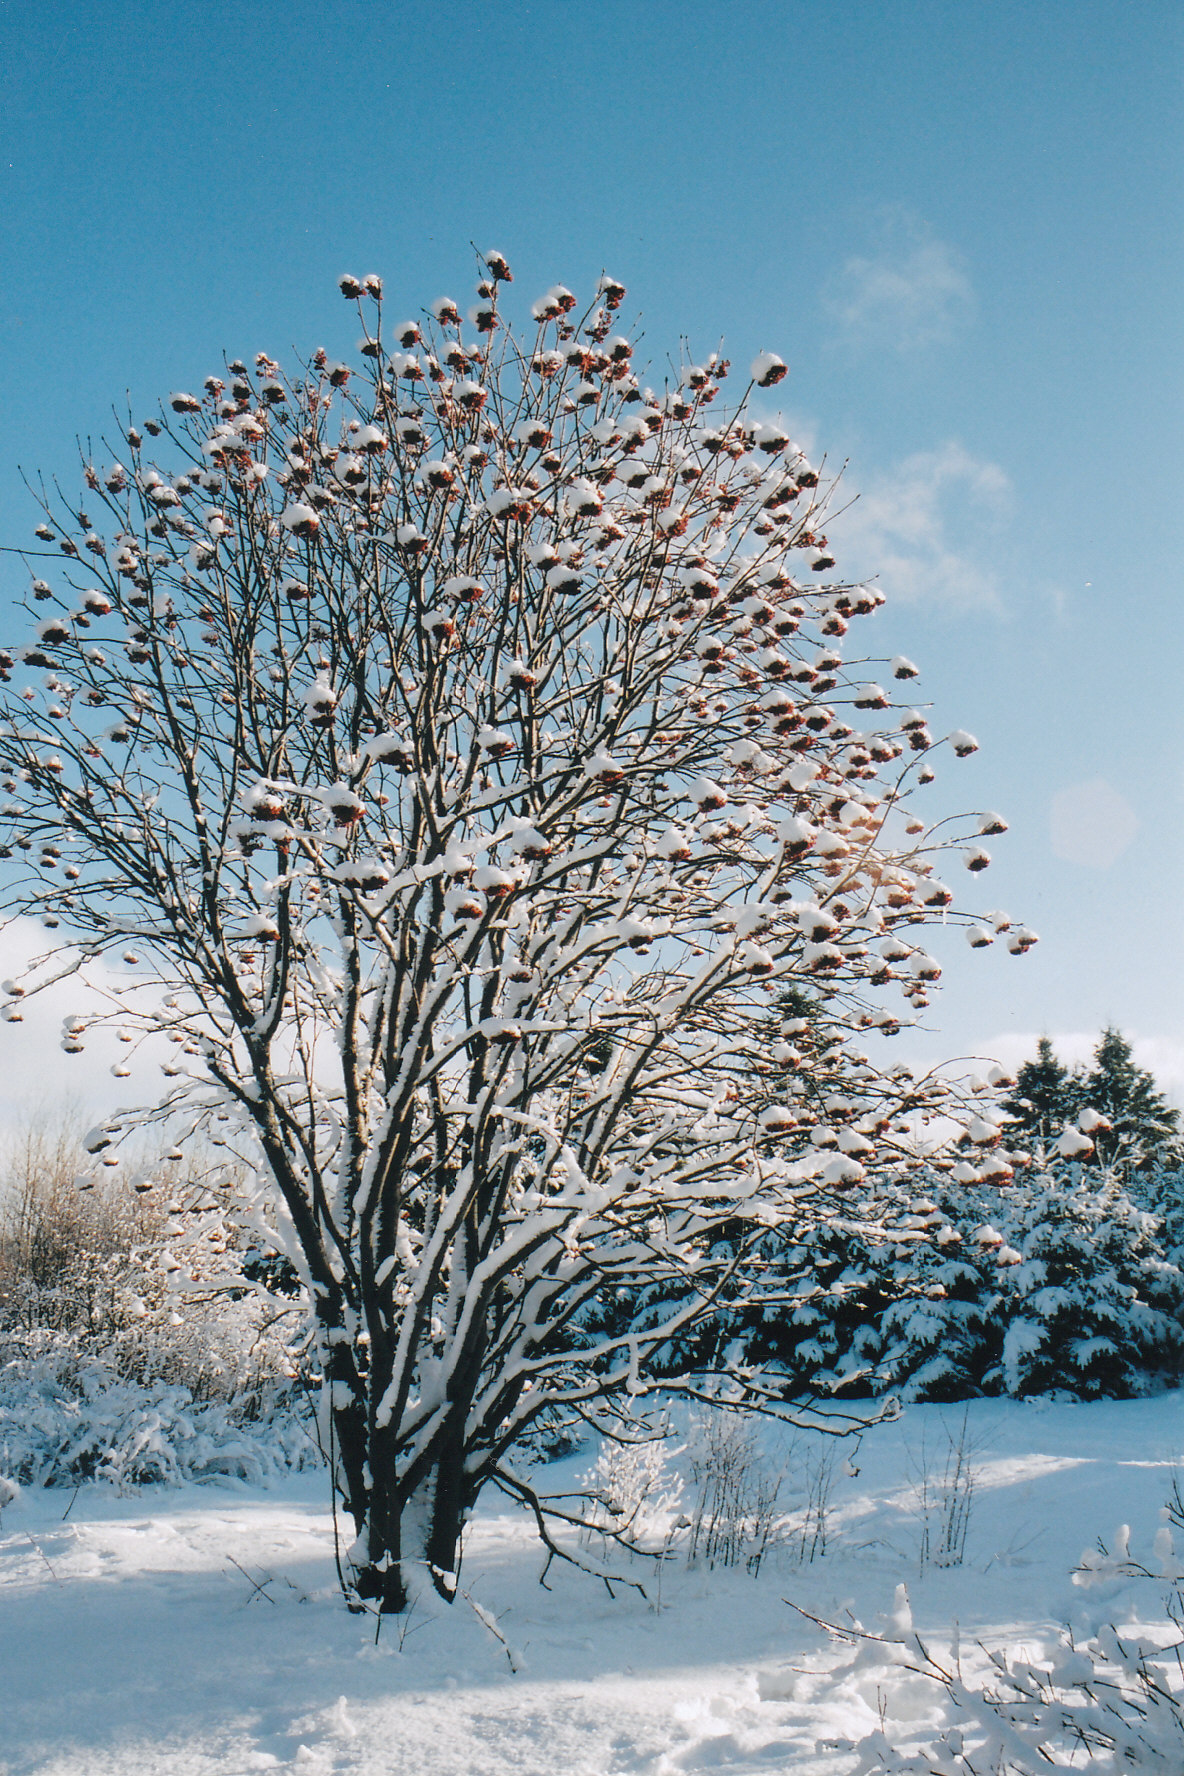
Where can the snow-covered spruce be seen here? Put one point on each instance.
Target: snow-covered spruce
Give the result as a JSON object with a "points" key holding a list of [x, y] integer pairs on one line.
{"points": [[492, 620], [1040, 1285]]}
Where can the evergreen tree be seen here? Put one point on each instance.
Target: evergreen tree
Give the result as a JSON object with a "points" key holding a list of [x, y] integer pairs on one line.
{"points": [[1056, 1283], [1046, 1097], [1143, 1127], [1160, 1188], [1086, 1306], [938, 1334]]}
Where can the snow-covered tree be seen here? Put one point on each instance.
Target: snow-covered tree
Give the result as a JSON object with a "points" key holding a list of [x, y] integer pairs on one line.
{"points": [[1130, 1124], [1141, 1127], [1160, 1189], [939, 1330], [1043, 1283], [441, 762], [1050, 1284], [1086, 1303], [1047, 1096]]}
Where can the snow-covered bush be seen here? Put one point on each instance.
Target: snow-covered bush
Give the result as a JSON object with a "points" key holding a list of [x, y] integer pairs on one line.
{"points": [[1109, 1702], [735, 1516], [636, 1489], [730, 1492], [68, 1416], [447, 761]]}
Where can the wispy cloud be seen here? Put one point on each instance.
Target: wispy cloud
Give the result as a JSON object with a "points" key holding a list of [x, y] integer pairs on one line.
{"points": [[926, 526], [912, 291]]}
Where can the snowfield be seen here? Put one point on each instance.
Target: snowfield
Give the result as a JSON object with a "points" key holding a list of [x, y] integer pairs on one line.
{"points": [[199, 1629]]}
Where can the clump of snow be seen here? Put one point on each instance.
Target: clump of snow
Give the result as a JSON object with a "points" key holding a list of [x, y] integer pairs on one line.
{"points": [[768, 369]]}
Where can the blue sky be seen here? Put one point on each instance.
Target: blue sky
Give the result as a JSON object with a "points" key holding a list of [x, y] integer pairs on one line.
{"points": [[959, 222]]}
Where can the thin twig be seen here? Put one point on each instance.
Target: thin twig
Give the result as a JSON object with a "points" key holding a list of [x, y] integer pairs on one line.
{"points": [[255, 1585]]}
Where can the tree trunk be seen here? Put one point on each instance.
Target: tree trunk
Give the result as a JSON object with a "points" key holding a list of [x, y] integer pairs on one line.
{"points": [[405, 1538]]}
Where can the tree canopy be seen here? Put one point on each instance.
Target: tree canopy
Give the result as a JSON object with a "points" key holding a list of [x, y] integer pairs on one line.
{"points": [[438, 764], [1046, 1096]]}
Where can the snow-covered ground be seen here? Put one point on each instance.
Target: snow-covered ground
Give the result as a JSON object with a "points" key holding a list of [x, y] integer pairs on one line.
{"points": [[199, 1630]]}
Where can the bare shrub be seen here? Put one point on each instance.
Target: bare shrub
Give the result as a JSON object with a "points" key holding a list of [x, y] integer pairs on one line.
{"points": [[943, 1496], [735, 1517], [69, 1260], [128, 1277], [811, 1534]]}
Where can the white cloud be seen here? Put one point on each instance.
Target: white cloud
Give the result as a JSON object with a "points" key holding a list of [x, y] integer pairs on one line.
{"points": [[36, 1076], [1091, 823], [1163, 1057], [924, 528], [911, 293]]}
